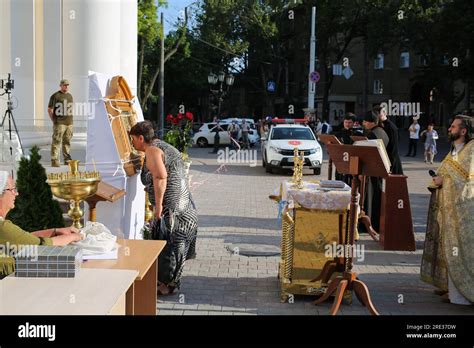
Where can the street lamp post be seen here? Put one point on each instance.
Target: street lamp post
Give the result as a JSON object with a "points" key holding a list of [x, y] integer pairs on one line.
{"points": [[218, 81]]}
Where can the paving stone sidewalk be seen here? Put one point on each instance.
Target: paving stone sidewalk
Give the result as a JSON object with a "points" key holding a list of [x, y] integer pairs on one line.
{"points": [[234, 209]]}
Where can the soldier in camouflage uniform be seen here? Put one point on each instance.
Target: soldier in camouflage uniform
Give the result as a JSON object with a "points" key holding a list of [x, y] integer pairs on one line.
{"points": [[60, 108]]}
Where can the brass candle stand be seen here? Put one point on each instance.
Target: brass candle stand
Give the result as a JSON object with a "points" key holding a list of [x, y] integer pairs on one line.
{"points": [[298, 162], [74, 186], [148, 209]]}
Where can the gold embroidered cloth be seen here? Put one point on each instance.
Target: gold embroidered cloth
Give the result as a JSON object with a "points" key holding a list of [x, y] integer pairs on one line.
{"points": [[453, 213]]}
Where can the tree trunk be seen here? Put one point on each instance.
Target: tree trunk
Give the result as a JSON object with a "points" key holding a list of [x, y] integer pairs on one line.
{"points": [[150, 87], [326, 88], [140, 68], [168, 55], [365, 92], [264, 88]]}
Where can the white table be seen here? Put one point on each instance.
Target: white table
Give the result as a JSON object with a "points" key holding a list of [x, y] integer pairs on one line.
{"points": [[91, 292]]}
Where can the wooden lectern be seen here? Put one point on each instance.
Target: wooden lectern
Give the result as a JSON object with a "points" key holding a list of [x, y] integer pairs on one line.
{"points": [[332, 139], [396, 226], [105, 193], [353, 160], [364, 218], [327, 139], [358, 138]]}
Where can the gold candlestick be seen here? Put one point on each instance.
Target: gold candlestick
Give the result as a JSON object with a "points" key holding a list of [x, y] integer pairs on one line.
{"points": [[298, 162], [74, 186], [148, 210]]}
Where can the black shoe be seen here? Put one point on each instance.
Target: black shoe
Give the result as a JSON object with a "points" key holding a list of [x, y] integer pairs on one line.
{"points": [[445, 298], [440, 292]]}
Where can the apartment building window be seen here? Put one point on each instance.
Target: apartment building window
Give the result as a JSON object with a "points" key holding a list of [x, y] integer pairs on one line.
{"points": [[423, 60], [378, 63], [304, 87], [378, 87], [405, 60], [445, 60]]}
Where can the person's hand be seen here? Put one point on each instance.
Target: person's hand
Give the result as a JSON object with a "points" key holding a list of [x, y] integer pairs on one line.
{"points": [[67, 230], [75, 237], [438, 180], [158, 211]]}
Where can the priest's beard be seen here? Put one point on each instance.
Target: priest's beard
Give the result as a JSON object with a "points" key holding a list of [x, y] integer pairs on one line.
{"points": [[454, 136]]}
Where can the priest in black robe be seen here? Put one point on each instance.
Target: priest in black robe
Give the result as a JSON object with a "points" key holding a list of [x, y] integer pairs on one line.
{"points": [[373, 200], [344, 136], [392, 148]]}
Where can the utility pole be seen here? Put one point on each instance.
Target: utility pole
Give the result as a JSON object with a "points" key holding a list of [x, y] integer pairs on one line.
{"points": [[312, 59], [161, 101]]}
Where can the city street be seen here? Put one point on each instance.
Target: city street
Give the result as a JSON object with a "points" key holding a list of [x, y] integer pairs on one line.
{"points": [[237, 217], [110, 108]]}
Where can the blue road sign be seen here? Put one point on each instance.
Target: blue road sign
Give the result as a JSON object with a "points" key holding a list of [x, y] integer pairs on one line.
{"points": [[271, 86]]}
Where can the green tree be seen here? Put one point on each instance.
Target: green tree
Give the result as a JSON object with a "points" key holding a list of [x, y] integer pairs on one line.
{"points": [[35, 209], [442, 32], [150, 32], [242, 32]]}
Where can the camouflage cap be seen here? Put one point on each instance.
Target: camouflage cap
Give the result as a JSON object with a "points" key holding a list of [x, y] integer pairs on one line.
{"points": [[64, 82]]}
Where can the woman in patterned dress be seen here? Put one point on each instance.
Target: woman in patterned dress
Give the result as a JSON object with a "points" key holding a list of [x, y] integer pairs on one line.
{"points": [[175, 213]]}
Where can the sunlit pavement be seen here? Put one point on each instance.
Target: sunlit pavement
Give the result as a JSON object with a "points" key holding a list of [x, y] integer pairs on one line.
{"points": [[234, 210]]}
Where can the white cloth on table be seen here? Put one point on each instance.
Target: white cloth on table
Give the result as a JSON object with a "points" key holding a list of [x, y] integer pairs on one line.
{"points": [[97, 239], [313, 196]]}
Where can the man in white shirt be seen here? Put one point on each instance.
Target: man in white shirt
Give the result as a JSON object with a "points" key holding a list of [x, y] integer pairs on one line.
{"points": [[234, 130], [414, 137]]}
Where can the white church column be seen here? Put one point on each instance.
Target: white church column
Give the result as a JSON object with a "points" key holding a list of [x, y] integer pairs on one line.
{"points": [[40, 108], [128, 51], [52, 62], [91, 41], [5, 59], [22, 57]]}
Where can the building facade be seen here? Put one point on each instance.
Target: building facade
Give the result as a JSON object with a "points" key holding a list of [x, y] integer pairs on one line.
{"points": [[358, 83], [44, 41]]}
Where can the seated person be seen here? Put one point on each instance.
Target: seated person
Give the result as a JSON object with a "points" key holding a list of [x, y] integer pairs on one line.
{"points": [[14, 235]]}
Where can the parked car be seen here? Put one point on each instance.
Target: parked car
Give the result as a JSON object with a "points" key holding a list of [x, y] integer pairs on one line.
{"points": [[277, 149], [205, 136], [197, 126], [239, 120]]}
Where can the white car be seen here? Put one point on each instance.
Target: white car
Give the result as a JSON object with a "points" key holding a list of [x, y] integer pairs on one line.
{"points": [[277, 149], [205, 136], [239, 120]]}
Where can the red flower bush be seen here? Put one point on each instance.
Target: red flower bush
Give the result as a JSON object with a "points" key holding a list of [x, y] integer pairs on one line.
{"points": [[189, 116], [179, 134]]}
